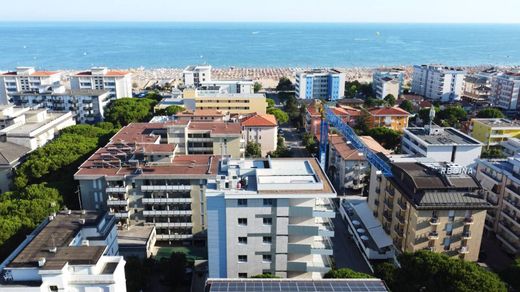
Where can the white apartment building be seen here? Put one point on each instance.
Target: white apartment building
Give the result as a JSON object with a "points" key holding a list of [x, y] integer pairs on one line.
{"points": [[119, 83], [26, 79], [438, 83], [200, 77], [269, 216], [87, 105], [388, 82], [320, 84], [441, 144], [69, 251], [193, 76], [505, 91]]}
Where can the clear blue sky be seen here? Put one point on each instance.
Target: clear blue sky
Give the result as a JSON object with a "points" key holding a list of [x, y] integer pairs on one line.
{"points": [[453, 11]]}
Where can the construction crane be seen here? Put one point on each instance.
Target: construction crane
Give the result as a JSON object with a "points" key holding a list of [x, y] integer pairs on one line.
{"points": [[328, 117]]}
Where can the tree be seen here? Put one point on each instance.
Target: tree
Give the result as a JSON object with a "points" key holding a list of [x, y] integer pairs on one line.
{"points": [[284, 84], [490, 113], [170, 110], [387, 137], [270, 103], [281, 116], [362, 124], [424, 114], [154, 95], [451, 116], [281, 149], [253, 150], [386, 271], [265, 276], [138, 273], [124, 111], [390, 100], [372, 102], [257, 87], [345, 273], [407, 106], [310, 143], [512, 275], [492, 153]]}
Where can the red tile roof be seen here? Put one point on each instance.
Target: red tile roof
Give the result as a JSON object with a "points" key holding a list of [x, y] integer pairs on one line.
{"points": [[346, 151], [36, 73], [266, 120], [388, 111], [109, 73], [201, 113], [217, 128]]}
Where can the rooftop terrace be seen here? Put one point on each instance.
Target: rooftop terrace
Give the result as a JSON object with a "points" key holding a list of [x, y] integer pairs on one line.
{"points": [[442, 136]]}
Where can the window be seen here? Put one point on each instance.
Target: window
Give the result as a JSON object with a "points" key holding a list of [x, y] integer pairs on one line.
{"points": [[266, 258], [268, 202], [242, 259], [242, 202], [242, 221], [242, 240], [242, 275], [268, 221], [53, 288], [267, 239]]}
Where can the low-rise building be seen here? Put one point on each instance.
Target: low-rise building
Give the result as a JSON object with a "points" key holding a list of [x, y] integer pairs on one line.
{"points": [[320, 84], [261, 129], [269, 216], [388, 82], [69, 251], [437, 82], [137, 241], [441, 144], [26, 79], [11, 155], [118, 83], [229, 103], [492, 132], [394, 118], [505, 91], [429, 205], [500, 179]]}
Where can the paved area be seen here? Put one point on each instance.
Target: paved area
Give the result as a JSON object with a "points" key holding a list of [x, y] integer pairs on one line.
{"points": [[293, 141], [346, 252], [492, 254]]}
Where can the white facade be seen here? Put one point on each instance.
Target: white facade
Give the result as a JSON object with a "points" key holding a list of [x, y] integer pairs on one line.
{"points": [[387, 82], [119, 83], [193, 76], [438, 83], [442, 145], [26, 79], [505, 91], [320, 84], [267, 137], [510, 147], [200, 77], [269, 216]]}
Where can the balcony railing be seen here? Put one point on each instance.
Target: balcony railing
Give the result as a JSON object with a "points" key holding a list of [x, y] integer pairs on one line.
{"points": [[402, 204], [179, 188], [389, 203], [468, 220], [399, 231], [151, 201], [466, 235], [464, 250], [152, 213], [390, 191], [400, 217], [387, 215], [112, 202], [433, 235], [116, 189], [435, 221]]}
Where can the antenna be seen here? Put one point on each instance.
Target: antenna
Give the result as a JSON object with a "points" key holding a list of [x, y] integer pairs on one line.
{"points": [[432, 116]]}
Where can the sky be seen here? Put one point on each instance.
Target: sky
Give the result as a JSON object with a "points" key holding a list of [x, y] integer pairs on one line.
{"points": [[395, 11]]}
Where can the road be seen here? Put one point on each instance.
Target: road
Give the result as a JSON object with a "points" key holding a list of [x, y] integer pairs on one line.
{"points": [[293, 141]]}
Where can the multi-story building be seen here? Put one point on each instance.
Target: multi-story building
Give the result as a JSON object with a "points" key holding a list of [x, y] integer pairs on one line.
{"points": [[138, 177], [320, 84], [438, 83], [229, 103], [87, 105], [429, 205], [26, 79], [269, 216], [505, 91], [69, 251], [202, 116], [119, 83], [441, 144], [510, 147], [261, 129], [313, 117], [477, 88], [193, 76], [492, 132], [200, 77], [388, 82], [394, 118], [500, 179]]}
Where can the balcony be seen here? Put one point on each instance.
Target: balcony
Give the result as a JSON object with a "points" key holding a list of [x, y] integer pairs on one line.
{"points": [[387, 215], [390, 191], [318, 247], [399, 231], [466, 235], [109, 268], [376, 202], [400, 217], [324, 208], [389, 203], [513, 189], [435, 221], [378, 190], [402, 204], [174, 188], [433, 235], [122, 215], [113, 202], [319, 264], [116, 189], [173, 224], [464, 250], [153, 201], [173, 236], [491, 176], [515, 204], [153, 213], [468, 220]]}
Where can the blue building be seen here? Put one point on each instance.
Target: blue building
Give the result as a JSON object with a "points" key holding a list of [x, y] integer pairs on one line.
{"points": [[320, 84]]}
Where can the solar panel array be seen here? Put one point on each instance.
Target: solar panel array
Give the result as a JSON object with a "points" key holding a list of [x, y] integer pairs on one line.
{"points": [[296, 286]]}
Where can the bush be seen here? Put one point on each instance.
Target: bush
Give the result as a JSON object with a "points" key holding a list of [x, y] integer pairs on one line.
{"points": [[345, 273]]}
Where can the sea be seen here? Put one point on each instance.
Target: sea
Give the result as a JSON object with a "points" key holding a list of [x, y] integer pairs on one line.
{"points": [[77, 45]]}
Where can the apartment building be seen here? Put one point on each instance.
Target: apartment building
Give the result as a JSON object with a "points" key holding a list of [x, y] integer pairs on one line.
{"points": [[69, 251], [313, 117], [193, 76], [261, 129], [441, 144], [25, 79], [505, 91], [430, 205], [385, 82], [202, 116], [269, 216], [119, 83], [437, 82], [510, 147], [500, 179], [200, 77], [87, 105], [492, 132], [476, 88], [320, 84], [394, 118], [229, 103]]}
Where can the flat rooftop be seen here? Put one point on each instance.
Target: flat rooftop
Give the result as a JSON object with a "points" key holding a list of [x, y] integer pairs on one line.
{"points": [[68, 92], [499, 123], [295, 285], [29, 126], [443, 136], [228, 95], [134, 235]]}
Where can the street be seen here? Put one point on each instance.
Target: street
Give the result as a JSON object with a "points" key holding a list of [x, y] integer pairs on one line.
{"points": [[293, 141]]}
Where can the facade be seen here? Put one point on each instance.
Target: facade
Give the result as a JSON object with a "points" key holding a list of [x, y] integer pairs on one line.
{"points": [[430, 205], [199, 77], [261, 129], [388, 82], [501, 181], [119, 83], [477, 88], [139, 178], [442, 145], [505, 91], [229, 103], [69, 251], [320, 84], [86, 105], [492, 132], [11, 155], [438, 83], [269, 216], [510, 147], [202, 116], [26, 79], [193, 76], [313, 117], [394, 118]]}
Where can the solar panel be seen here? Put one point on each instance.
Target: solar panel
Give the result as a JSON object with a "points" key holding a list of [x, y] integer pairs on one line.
{"points": [[288, 285]]}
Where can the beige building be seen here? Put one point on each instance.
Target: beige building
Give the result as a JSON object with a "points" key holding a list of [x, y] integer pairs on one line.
{"points": [[261, 129], [429, 206], [232, 103]]}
